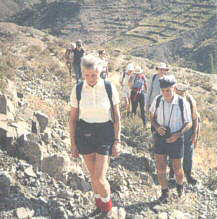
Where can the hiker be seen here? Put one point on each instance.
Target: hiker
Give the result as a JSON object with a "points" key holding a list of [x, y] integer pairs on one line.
{"points": [[137, 83], [92, 132], [69, 56], [104, 63], [78, 54], [191, 136], [154, 84], [170, 117], [125, 87]]}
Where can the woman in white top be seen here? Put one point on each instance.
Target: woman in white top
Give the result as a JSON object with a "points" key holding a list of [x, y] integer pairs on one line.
{"points": [[92, 132], [125, 86]]}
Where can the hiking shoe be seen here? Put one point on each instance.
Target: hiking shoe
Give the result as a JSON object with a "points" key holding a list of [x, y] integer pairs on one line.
{"points": [[164, 196], [180, 190], [191, 180]]}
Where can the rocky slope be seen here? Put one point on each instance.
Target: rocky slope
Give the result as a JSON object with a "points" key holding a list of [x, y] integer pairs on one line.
{"points": [[39, 179]]}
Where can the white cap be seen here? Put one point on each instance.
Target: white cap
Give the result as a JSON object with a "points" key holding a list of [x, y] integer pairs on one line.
{"points": [[130, 67]]}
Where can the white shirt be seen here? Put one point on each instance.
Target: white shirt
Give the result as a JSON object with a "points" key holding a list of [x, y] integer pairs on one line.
{"points": [[153, 89], [94, 106], [171, 112]]}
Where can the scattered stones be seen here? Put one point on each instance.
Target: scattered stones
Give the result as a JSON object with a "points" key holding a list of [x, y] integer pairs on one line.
{"points": [[29, 149]]}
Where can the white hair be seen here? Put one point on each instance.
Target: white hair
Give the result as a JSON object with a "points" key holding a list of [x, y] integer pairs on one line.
{"points": [[91, 62]]}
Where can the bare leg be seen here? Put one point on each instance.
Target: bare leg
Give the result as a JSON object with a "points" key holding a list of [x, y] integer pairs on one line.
{"points": [[177, 167], [161, 161]]}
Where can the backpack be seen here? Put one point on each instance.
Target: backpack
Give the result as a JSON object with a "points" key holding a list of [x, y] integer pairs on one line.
{"points": [[138, 82], [108, 88]]}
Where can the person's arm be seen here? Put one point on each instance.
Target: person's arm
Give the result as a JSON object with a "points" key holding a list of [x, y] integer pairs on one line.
{"points": [[117, 130], [179, 133], [72, 130]]}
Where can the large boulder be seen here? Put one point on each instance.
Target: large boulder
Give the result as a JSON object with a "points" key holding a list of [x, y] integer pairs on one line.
{"points": [[8, 135], [3, 104], [42, 120], [59, 167], [29, 149], [5, 183]]}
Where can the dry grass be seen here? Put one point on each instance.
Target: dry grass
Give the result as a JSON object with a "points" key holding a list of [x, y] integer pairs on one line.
{"points": [[36, 103]]}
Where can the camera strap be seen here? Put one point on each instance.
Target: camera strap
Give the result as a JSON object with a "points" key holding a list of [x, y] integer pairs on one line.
{"points": [[171, 111]]}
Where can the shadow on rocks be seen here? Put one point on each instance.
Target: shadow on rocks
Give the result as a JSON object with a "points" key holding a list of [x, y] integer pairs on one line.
{"points": [[143, 206], [133, 163]]}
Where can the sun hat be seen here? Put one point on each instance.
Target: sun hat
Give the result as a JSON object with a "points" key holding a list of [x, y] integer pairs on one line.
{"points": [[167, 81], [138, 70], [162, 65]]}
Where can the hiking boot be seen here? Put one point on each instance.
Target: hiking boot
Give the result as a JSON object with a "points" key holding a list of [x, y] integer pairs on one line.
{"points": [[180, 190], [164, 196], [191, 180]]}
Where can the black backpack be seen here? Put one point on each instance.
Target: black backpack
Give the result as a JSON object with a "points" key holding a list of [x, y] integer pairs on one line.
{"points": [[108, 88]]}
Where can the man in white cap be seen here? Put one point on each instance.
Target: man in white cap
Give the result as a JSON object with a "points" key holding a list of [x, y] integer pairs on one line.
{"points": [[191, 136], [154, 84], [125, 88], [170, 117]]}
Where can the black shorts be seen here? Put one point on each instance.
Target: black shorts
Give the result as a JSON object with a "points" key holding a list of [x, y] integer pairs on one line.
{"points": [[95, 137], [174, 150]]}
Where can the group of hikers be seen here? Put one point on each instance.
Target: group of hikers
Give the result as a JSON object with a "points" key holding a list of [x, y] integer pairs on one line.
{"points": [[73, 56], [95, 123]]}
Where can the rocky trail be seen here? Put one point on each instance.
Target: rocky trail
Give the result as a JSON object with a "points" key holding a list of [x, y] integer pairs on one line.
{"points": [[38, 177]]}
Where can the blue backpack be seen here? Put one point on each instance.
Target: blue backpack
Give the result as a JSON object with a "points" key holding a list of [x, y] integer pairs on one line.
{"points": [[138, 82]]}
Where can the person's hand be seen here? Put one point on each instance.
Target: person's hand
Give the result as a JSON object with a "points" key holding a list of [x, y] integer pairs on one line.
{"points": [[161, 130], [74, 151], [173, 137], [194, 139], [116, 149]]}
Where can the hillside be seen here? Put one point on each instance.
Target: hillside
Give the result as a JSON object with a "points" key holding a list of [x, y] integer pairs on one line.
{"points": [[39, 179], [177, 31]]}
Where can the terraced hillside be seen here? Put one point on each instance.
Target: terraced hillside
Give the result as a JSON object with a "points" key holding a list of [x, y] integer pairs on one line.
{"points": [[93, 21], [180, 31], [174, 31]]}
